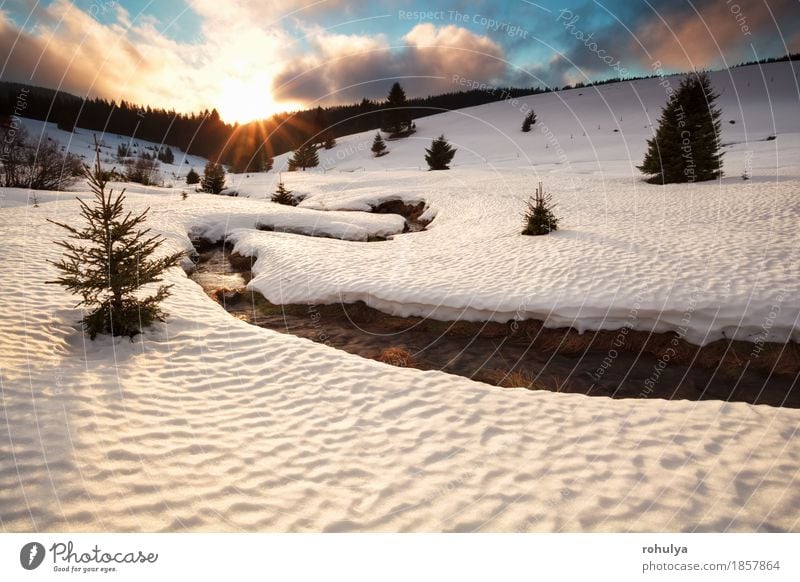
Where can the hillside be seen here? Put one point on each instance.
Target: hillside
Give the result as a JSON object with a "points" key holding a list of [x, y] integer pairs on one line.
{"points": [[583, 130]]}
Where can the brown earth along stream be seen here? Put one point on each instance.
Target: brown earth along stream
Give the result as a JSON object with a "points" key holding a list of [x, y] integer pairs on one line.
{"points": [[621, 364]]}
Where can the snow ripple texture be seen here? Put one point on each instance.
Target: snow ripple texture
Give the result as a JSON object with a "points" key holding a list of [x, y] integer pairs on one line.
{"points": [[208, 423]]}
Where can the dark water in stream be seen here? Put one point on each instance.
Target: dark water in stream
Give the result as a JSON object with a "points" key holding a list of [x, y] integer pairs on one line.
{"points": [[484, 353]]}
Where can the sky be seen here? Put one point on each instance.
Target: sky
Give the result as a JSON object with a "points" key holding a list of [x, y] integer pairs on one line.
{"points": [[252, 58]]}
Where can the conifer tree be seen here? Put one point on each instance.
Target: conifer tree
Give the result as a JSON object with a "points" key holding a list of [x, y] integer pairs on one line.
{"points": [[539, 217], [213, 180], [166, 155], [109, 260], [686, 147], [319, 127], [440, 154], [192, 177], [266, 161], [396, 119], [284, 196], [530, 120], [330, 141], [379, 146], [304, 157]]}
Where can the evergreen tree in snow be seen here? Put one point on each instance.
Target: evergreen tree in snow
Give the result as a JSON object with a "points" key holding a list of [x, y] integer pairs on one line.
{"points": [[539, 217], [284, 196], [264, 161], [319, 128], [529, 121], [166, 155], [686, 146], [396, 118], [213, 180], [330, 141], [192, 177], [304, 157], [379, 146], [440, 154], [109, 260]]}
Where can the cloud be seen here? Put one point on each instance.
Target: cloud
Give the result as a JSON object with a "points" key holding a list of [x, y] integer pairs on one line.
{"points": [[349, 67], [250, 53], [680, 35], [132, 59], [69, 50]]}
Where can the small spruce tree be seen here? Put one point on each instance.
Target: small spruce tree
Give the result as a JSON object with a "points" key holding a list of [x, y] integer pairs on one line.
{"points": [[304, 157], [379, 146], [686, 146], [109, 260], [330, 141], [284, 196], [396, 117], [530, 120], [440, 154], [192, 177], [213, 180], [539, 217]]}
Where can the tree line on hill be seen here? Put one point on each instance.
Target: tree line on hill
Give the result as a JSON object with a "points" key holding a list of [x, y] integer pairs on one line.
{"points": [[250, 147], [245, 148]]}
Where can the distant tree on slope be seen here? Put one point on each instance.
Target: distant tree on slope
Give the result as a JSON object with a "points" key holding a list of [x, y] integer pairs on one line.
{"points": [[166, 155], [440, 154], [379, 146], [192, 177], [213, 180], [109, 260], [529, 121], [304, 157], [396, 118], [686, 147]]}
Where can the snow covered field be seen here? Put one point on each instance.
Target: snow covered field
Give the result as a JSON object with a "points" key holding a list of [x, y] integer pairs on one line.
{"points": [[209, 423]]}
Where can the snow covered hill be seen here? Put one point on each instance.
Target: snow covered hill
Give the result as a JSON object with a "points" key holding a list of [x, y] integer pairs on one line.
{"points": [[594, 130], [81, 143]]}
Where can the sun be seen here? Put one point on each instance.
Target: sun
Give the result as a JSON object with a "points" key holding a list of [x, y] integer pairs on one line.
{"points": [[245, 101]]}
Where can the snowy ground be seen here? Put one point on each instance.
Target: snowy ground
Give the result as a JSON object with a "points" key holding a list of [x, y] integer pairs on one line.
{"points": [[208, 423]]}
